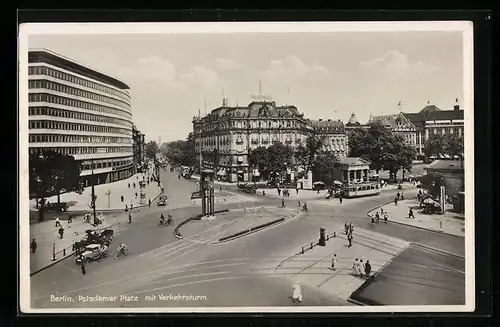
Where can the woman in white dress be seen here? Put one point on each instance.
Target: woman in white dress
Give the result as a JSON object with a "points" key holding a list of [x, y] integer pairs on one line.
{"points": [[297, 292]]}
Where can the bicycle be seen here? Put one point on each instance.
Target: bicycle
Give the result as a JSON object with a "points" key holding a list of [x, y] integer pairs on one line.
{"points": [[121, 252]]}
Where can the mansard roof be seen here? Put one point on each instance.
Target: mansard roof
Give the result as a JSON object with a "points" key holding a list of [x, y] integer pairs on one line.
{"points": [[327, 125]]}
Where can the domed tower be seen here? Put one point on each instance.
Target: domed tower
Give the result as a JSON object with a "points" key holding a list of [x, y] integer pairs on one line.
{"points": [[353, 121]]}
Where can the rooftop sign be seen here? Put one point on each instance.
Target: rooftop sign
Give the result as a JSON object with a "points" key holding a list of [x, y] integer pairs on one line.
{"points": [[261, 97]]}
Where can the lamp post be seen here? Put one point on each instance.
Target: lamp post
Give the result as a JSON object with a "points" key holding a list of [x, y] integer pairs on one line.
{"points": [[93, 190]]}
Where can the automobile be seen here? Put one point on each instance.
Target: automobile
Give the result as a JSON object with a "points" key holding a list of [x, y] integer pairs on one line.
{"points": [[92, 252], [162, 200], [319, 185]]}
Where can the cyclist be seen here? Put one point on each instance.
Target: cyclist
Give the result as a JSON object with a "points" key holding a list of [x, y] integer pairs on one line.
{"points": [[122, 247]]}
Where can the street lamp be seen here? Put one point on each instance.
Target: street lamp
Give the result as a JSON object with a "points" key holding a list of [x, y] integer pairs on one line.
{"points": [[93, 189]]}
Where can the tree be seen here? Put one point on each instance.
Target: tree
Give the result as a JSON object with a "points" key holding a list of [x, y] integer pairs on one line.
{"points": [[448, 144], [314, 144], [52, 173], [325, 164], [432, 183], [151, 149], [434, 146], [279, 157], [259, 158], [384, 149]]}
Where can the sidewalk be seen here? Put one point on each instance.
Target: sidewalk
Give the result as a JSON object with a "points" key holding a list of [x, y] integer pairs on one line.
{"points": [[453, 223], [81, 202], [313, 267], [301, 195], [48, 239]]}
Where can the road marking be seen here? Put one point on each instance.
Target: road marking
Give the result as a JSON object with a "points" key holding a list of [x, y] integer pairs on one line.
{"points": [[196, 275]]}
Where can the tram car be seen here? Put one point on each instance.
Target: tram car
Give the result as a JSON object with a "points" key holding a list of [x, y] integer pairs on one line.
{"points": [[360, 190]]}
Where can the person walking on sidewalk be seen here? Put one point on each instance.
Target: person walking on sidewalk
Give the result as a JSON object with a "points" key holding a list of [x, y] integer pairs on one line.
{"points": [[410, 214], [61, 232], [368, 268], [361, 267], [346, 227], [149, 202], [402, 196], [334, 262], [279, 191], [58, 223], [283, 203], [396, 201], [349, 238], [340, 199], [33, 246], [398, 195], [351, 228], [386, 216], [355, 267], [130, 217], [297, 190]]}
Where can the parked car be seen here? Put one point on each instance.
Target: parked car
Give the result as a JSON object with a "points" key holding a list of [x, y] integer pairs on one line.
{"points": [[92, 252], [58, 207], [248, 188]]}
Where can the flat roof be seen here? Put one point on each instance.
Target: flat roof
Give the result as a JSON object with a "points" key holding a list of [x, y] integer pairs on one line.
{"points": [[50, 57]]}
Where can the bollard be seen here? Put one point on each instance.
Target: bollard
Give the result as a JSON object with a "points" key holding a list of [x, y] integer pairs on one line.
{"points": [[302, 250], [53, 251], [64, 252]]}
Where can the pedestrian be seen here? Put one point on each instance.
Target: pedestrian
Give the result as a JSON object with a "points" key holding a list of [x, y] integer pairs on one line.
{"points": [[368, 268], [128, 185], [61, 232], [283, 203], [33, 246], [136, 195], [402, 196], [149, 202], [360, 267], [377, 217], [386, 216], [381, 210], [82, 265], [298, 202], [373, 221], [410, 214], [134, 183], [297, 190], [346, 227], [121, 198], [126, 208], [398, 195], [130, 217], [297, 293], [349, 238], [264, 192], [58, 223], [340, 199], [334, 262], [396, 201], [279, 191], [351, 228], [355, 267], [70, 219], [131, 206]]}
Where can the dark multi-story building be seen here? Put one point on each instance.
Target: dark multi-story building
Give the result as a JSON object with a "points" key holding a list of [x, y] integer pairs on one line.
{"points": [[138, 146], [227, 135], [432, 120], [81, 112]]}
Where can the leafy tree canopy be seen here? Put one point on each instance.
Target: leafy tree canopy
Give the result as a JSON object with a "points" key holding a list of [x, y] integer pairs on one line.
{"points": [[151, 149]]}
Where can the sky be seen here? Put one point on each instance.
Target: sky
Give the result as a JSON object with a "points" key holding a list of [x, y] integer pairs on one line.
{"points": [[325, 75]]}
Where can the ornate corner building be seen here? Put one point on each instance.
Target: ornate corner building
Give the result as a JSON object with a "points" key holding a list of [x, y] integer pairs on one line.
{"points": [[226, 135], [81, 112]]}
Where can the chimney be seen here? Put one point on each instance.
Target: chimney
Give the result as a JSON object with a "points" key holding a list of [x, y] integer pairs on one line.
{"points": [[329, 120], [320, 119], [456, 107]]}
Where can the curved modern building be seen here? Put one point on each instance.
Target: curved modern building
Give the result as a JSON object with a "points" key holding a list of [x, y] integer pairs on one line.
{"points": [[80, 112]]}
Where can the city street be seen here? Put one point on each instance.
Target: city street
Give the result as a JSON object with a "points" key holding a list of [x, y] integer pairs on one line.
{"points": [[236, 273]]}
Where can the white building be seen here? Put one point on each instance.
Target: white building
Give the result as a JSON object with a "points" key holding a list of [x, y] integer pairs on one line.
{"points": [[81, 112]]}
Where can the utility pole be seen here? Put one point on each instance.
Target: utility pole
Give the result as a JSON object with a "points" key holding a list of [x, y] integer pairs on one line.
{"points": [[108, 193]]}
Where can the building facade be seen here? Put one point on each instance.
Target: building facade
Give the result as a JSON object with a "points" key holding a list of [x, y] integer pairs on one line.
{"points": [[139, 148], [399, 124], [227, 135], [432, 120], [78, 111]]}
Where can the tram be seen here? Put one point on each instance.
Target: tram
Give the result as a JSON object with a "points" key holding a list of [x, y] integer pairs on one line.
{"points": [[360, 190]]}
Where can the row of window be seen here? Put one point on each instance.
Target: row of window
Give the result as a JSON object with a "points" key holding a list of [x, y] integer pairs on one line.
{"points": [[38, 84], [38, 70], [78, 139], [84, 150], [46, 111], [445, 130], [43, 97], [252, 124], [98, 164], [37, 124]]}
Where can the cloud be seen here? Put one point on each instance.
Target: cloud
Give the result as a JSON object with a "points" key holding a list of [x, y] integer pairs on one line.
{"points": [[293, 68], [395, 62], [227, 64]]}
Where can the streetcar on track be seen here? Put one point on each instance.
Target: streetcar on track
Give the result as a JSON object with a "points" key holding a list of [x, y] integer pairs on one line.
{"points": [[360, 190]]}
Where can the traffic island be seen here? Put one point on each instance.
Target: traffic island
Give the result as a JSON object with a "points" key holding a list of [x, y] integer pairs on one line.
{"points": [[233, 224]]}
